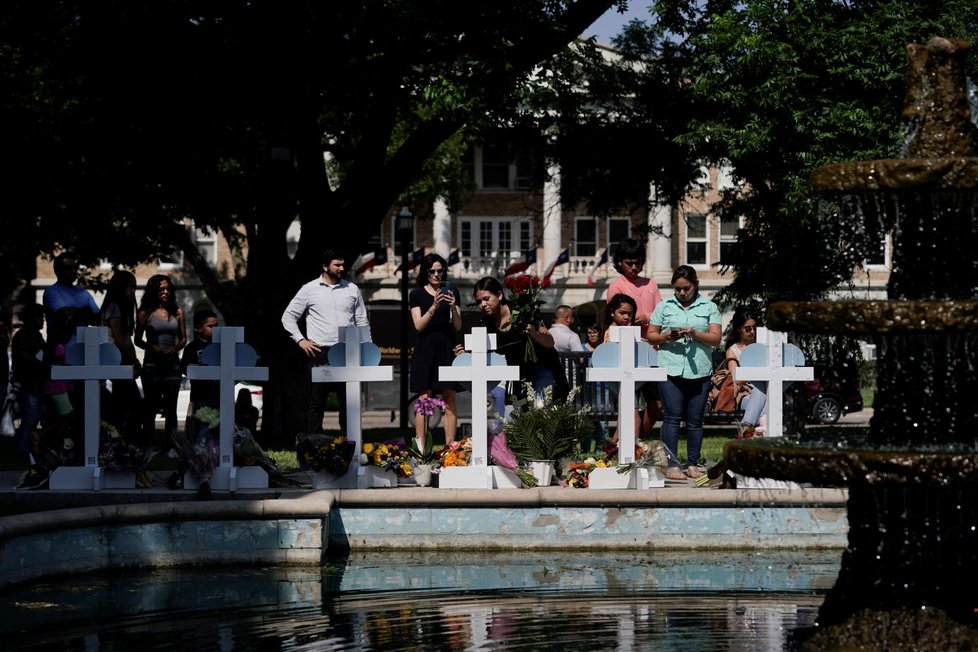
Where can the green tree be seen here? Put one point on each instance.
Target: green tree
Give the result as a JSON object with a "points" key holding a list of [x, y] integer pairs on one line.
{"points": [[128, 118], [774, 89]]}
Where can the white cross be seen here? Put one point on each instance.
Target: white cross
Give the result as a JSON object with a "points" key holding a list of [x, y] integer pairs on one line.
{"points": [[347, 365], [635, 360], [90, 359], [479, 369], [777, 353], [227, 360]]}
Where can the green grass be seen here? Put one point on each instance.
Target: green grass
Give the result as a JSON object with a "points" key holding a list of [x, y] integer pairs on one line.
{"points": [[868, 395]]}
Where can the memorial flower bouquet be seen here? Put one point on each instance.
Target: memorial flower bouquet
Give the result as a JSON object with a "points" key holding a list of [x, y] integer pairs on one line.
{"points": [[457, 453], [426, 454], [524, 306], [388, 456], [114, 454], [577, 474], [324, 453]]}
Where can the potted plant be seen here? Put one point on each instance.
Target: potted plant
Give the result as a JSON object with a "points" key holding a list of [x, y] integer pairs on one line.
{"points": [[540, 430], [424, 460], [423, 455]]}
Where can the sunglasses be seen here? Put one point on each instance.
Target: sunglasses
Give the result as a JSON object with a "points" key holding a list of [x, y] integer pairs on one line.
{"points": [[432, 272]]}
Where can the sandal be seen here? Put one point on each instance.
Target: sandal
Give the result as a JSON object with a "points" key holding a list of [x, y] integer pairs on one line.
{"points": [[675, 473], [693, 472]]}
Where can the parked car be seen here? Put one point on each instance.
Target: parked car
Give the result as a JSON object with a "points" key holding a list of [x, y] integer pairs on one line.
{"points": [[820, 401], [826, 401]]}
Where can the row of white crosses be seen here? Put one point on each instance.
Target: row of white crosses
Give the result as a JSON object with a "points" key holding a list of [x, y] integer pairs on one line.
{"points": [[354, 361], [93, 359]]}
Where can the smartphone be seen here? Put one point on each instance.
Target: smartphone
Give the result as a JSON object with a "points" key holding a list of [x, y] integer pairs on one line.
{"points": [[446, 288]]}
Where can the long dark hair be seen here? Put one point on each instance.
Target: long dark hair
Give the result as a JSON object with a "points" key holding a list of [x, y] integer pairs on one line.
{"points": [[426, 263], [150, 300], [116, 292], [490, 284], [740, 317]]}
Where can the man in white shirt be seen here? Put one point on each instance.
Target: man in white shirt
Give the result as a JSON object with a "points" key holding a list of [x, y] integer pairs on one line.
{"points": [[565, 338], [329, 302]]}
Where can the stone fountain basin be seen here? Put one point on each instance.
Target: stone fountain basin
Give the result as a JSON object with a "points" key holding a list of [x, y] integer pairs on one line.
{"points": [[853, 461], [952, 173], [859, 317]]}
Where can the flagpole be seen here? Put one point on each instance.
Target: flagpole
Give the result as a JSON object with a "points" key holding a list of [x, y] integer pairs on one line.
{"points": [[404, 224]]}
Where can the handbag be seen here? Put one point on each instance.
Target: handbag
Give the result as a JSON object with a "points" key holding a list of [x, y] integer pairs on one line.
{"points": [[9, 413], [725, 395]]}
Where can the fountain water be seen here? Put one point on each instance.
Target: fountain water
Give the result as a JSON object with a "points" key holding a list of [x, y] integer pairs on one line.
{"points": [[913, 481]]}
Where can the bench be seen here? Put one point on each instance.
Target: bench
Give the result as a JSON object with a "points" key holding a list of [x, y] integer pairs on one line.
{"points": [[601, 398]]}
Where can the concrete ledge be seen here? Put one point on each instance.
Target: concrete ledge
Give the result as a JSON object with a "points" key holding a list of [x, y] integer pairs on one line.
{"points": [[301, 529]]}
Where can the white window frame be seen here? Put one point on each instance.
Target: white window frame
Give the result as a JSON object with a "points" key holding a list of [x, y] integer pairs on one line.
{"points": [[199, 237], [722, 239], [491, 228], [608, 241], [578, 241], [478, 172], [705, 239], [887, 257]]}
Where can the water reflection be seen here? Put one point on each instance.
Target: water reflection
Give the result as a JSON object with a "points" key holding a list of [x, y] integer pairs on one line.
{"points": [[400, 601]]}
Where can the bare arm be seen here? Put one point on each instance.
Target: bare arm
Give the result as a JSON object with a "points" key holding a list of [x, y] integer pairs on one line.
{"points": [[140, 334]]}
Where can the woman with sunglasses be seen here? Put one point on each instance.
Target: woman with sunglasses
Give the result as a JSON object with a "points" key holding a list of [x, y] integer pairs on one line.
{"points": [[743, 333], [437, 316], [685, 327]]}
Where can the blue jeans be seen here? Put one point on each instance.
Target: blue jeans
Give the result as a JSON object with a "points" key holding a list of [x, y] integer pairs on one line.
{"points": [[30, 414], [684, 399], [754, 403]]}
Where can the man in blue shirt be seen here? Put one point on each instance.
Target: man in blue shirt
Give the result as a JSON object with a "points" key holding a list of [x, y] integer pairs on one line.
{"points": [[67, 306]]}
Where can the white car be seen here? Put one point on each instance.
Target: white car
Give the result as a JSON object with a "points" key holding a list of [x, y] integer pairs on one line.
{"points": [[183, 398]]}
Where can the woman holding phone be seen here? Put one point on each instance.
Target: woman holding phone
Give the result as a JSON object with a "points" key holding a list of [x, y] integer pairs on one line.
{"points": [[437, 316], [685, 327]]}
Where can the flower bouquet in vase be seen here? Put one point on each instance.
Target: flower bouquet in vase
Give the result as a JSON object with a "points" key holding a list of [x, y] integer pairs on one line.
{"points": [[328, 459], [120, 461], [423, 456], [381, 464]]}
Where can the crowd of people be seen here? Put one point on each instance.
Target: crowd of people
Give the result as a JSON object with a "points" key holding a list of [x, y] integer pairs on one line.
{"points": [[685, 328], [49, 433]]}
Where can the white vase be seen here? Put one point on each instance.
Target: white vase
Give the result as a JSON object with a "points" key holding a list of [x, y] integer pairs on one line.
{"points": [[542, 471], [422, 475]]}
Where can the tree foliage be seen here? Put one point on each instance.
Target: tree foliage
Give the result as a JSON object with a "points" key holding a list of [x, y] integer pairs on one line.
{"points": [[774, 89], [125, 120]]}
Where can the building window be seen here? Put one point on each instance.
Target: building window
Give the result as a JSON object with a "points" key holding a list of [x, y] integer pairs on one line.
{"points": [[495, 168], [728, 236], [488, 237], [696, 242], [206, 241], [619, 228], [171, 260], [585, 236], [880, 259]]}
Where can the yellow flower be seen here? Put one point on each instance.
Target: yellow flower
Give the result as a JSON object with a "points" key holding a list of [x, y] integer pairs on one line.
{"points": [[600, 464], [367, 448]]}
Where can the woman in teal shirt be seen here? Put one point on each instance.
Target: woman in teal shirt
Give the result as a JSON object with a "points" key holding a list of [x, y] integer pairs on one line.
{"points": [[685, 327]]}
